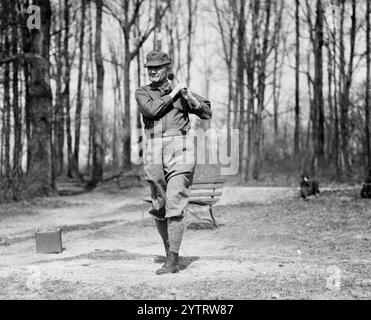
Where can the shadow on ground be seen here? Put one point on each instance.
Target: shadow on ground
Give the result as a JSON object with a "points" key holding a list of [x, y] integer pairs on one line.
{"points": [[184, 262], [118, 255]]}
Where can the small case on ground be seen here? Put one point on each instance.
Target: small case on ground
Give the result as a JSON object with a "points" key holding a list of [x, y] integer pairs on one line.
{"points": [[49, 240]]}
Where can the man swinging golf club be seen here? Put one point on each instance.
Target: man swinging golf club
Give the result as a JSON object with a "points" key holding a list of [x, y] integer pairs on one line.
{"points": [[169, 153]]}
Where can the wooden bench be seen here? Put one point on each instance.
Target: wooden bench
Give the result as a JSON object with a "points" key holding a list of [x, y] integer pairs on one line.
{"points": [[204, 193]]}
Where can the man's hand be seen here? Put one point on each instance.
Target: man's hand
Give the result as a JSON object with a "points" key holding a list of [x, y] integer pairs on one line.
{"points": [[192, 98], [179, 87]]}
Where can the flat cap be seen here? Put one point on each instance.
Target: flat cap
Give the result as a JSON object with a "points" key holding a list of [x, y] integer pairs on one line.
{"points": [[157, 58]]}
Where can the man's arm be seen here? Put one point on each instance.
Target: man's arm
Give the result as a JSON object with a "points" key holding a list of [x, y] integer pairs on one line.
{"points": [[152, 109], [199, 106]]}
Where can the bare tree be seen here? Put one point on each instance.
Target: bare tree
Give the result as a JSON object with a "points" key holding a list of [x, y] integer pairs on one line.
{"points": [[261, 92], [318, 132], [192, 9], [317, 105], [39, 105], [227, 23], [277, 76], [7, 109], [346, 77], [17, 150], [117, 102], [240, 64], [98, 135], [79, 100], [90, 78], [368, 85], [297, 82], [251, 65], [59, 116]]}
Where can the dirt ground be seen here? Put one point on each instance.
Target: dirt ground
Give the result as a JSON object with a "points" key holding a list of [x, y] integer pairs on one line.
{"points": [[269, 245]]}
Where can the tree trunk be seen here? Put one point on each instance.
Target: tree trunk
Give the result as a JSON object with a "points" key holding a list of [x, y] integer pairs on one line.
{"points": [[228, 50], [345, 83], [251, 66], [7, 129], [240, 81], [59, 117], [138, 114], [40, 100], [157, 45], [66, 93], [117, 104], [126, 147], [330, 144], [91, 89], [17, 151], [319, 134], [26, 43], [368, 86], [276, 76], [98, 152], [189, 44], [297, 83], [79, 102], [261, 93], [127, 119], [310, 96], [336, 112]]}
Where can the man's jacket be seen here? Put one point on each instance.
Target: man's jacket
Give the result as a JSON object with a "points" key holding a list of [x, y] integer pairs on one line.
{"points": [[163, 115]]}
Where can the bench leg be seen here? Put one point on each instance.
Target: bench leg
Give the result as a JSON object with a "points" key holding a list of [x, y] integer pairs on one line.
{"points": [[212, 217], [209, 220]]}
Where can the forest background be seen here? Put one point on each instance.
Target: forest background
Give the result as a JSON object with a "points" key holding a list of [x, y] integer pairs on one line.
{"points": [[292, 76]]}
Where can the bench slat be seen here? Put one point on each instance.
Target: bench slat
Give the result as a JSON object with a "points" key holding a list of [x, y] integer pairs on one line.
{"points": [[203, 202], [197, 196], [200, 201], [210, 193], [204, 199], [208, 182], [206, 186]]}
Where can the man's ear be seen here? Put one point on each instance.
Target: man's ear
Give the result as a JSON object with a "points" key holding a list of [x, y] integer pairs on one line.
{"points": [[170, 73]]}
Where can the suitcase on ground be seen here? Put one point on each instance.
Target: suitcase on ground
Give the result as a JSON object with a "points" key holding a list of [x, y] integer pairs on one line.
{"points": [[49, 241]]}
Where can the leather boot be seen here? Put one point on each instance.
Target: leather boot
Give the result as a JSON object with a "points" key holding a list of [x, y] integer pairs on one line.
{"points": [[167, 249], [171, 265]]}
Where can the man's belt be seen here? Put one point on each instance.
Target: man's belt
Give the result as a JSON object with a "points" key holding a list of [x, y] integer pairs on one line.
{"points": [[166, 134]]}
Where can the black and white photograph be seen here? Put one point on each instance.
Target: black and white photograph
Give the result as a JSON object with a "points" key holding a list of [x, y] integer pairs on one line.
{"points": [[185, 150]]}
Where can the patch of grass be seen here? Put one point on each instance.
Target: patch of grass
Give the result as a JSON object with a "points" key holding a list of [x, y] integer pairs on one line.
{"points": [[30, 207]]}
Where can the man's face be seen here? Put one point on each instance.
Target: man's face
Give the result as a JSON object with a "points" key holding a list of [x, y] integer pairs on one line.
{"points": [[157, 74]]}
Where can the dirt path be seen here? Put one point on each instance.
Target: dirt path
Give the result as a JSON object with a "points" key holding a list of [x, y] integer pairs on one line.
{"points": [[269, 245]]}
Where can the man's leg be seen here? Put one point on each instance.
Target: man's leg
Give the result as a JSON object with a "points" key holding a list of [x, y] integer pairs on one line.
{"points": [[154, 171], [154, 174], [179, 165], [176, 226], [162, 228], [179, 176]]}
